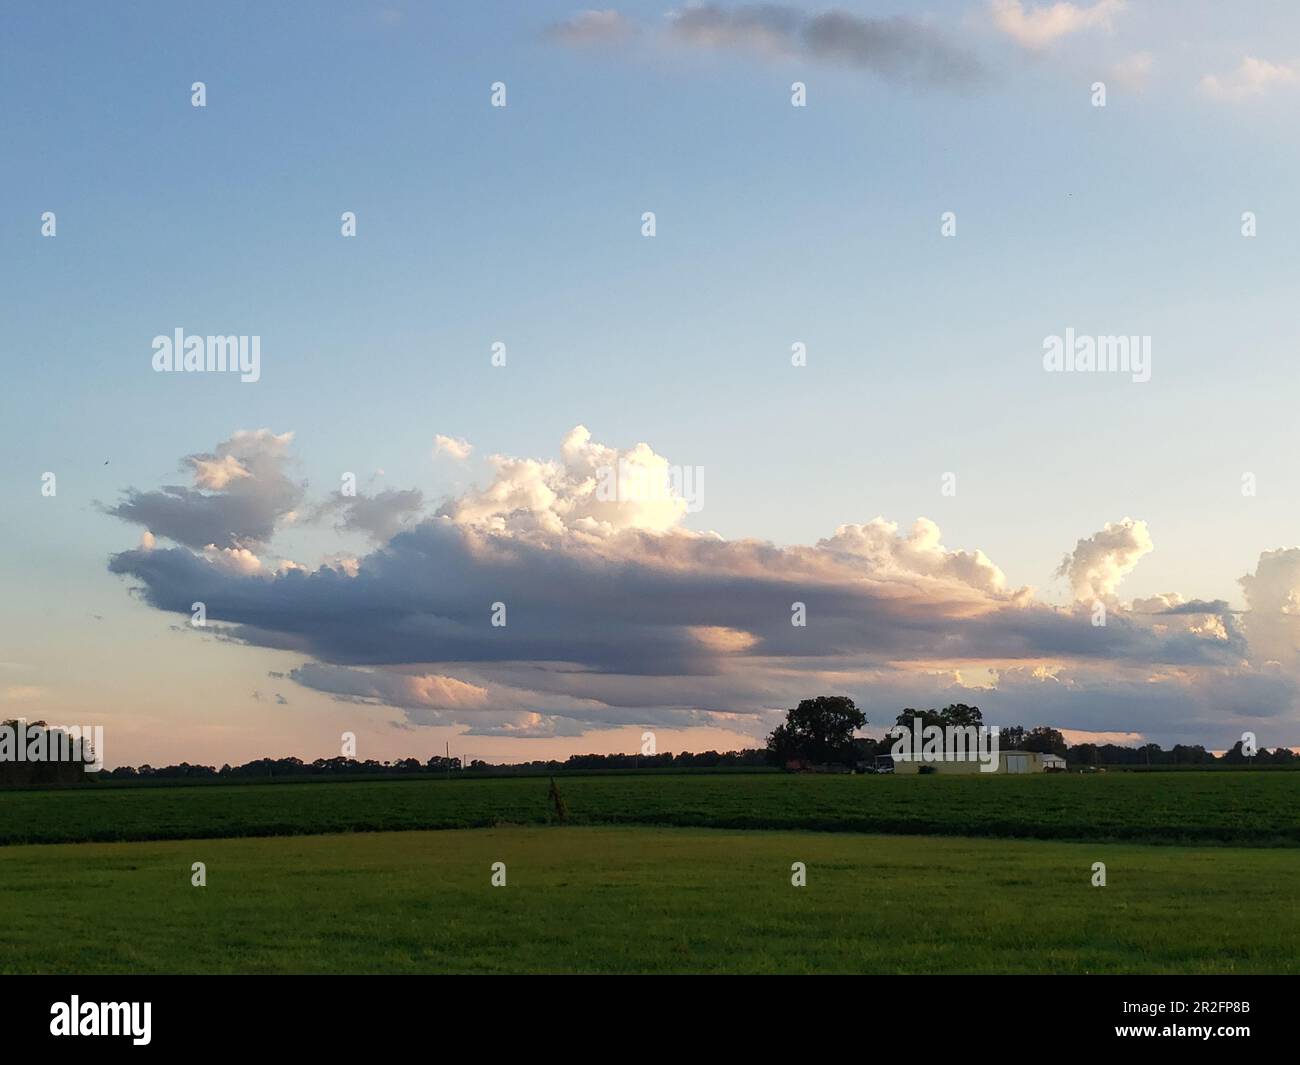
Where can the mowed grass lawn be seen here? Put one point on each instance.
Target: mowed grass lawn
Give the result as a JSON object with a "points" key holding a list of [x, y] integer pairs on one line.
{"points": [[1242, 808], [614, 900]]}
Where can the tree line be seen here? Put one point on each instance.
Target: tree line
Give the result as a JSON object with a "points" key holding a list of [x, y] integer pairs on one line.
{"points": [[61, 759], [291, 767], [821, 731]]}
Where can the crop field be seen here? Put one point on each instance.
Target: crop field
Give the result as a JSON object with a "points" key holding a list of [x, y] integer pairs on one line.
{"points": [[603, 899], [658, 873], [1242, 808]]}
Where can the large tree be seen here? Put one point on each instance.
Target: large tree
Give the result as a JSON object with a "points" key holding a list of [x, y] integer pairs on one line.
{"points": [[1045, 740], [962, 715], [955, 714], [819, 730]]}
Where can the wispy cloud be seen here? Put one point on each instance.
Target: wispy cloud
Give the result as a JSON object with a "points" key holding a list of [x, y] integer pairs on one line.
{"points": [[593, 28], [1133, 71], [1252, 79], [896, 48]]}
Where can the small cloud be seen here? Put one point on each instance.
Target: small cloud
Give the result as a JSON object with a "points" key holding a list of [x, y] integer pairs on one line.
{"points": [[238, 561], [215, 473], [723, 640], [1134, 71], [1124, 739], [1253, 78], [588, 28], [895, 48], [452, 445], [1037, 27], [341, 563], [768, 29], [242, 491]]}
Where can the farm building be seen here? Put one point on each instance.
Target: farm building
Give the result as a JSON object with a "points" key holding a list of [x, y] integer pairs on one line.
{"points": [[1008, 762]]}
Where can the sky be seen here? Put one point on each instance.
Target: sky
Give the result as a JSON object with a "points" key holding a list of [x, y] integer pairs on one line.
{"points": [[821, 376]]}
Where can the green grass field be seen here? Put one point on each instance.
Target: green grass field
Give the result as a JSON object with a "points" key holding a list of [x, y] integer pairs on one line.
{"points": [[659, 873], [1244, 808], [646, 900]]}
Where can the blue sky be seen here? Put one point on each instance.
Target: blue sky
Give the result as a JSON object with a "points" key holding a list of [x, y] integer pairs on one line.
{"points": [[522, 224]]}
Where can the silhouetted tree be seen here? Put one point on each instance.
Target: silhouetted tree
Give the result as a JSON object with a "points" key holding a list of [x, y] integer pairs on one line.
{"points": [[1045, 740], [820, 730]]}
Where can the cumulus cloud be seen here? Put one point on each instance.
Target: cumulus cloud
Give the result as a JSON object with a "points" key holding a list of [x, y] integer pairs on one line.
{"points": [[1274, 587], [918, 555], [895, 48], [1037, 26], [380, 516], [235, 560], [1099, 562], [594, 491], [241, 493], [1171, 612], [619, 614], [1252, 79], [1272, 595]]}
